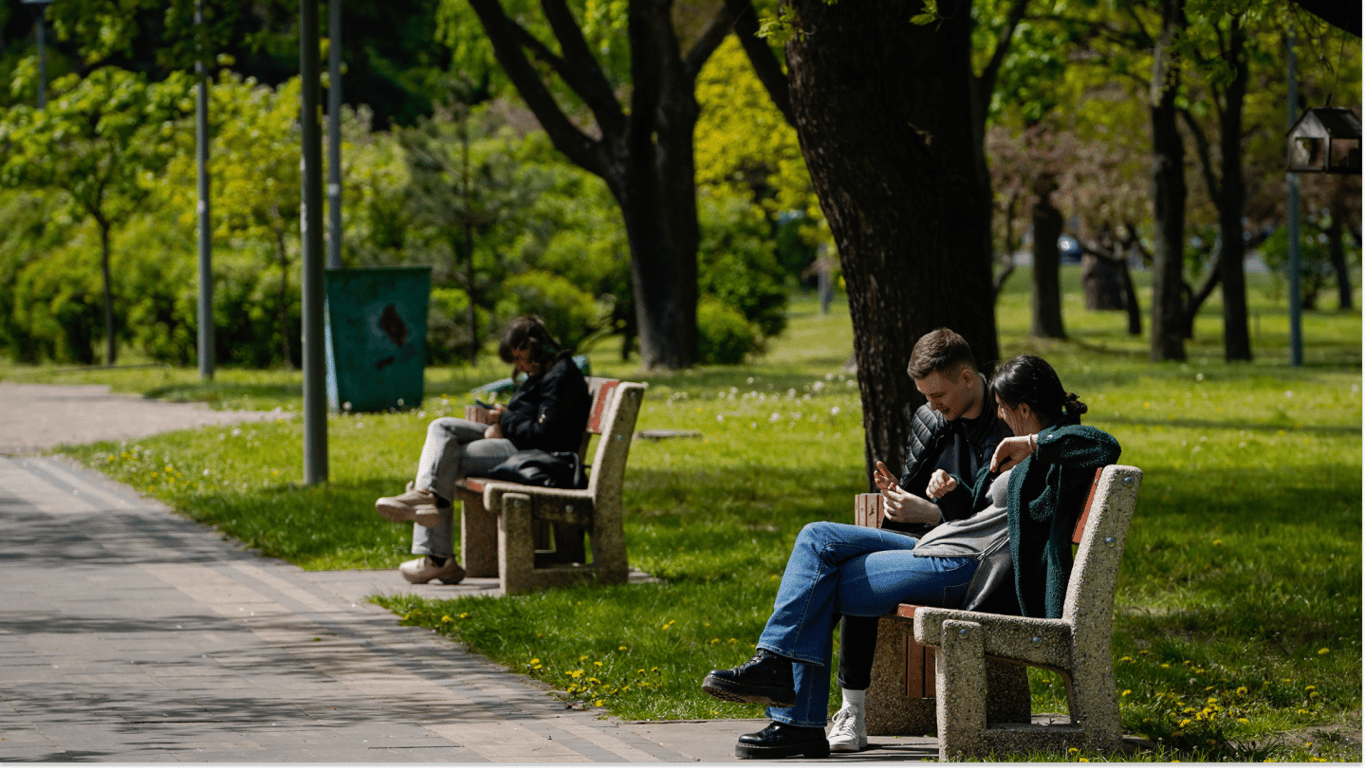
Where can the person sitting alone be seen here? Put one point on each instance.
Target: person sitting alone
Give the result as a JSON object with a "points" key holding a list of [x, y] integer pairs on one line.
{"points": [[549, 411], [1026, 502]]}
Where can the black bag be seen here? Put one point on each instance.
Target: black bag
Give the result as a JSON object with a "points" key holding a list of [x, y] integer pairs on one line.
{"points": [[560, 469]]}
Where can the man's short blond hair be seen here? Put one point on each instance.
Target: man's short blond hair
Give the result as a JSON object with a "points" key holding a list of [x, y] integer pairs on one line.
{"points": [[940, 350]]}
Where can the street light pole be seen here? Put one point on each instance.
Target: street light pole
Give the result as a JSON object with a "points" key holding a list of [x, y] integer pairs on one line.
{"points": [[334, 102], [310, 222], [201, 142], [39, 8]]}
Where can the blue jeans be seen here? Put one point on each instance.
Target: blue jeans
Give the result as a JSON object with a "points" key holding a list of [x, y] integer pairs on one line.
{"points": [[838, 569]]}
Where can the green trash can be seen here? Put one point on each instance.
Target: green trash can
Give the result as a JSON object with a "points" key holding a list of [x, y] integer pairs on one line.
{"points": [[376, 337]]}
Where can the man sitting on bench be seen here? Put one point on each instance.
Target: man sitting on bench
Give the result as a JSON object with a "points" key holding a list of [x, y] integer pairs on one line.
{"points": [[1024, 504], [956, 430]]}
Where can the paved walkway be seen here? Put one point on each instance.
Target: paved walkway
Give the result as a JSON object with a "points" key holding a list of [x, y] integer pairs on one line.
{"points": [[129, 634]]}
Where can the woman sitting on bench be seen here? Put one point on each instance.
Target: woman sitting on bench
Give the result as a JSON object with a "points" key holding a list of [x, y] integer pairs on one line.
{"points": [[1026, 503], [549, 411]]}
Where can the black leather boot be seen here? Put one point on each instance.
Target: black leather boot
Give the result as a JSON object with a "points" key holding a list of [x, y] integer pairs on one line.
{"points": [[781, 740], [764, 679]]}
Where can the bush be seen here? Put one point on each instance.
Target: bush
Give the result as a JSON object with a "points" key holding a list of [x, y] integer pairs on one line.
{"points": [[736, 263], [570, 314], [724, 336]]}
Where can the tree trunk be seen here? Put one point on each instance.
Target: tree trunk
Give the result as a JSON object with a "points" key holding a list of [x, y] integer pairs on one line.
{"points": [[110, 348], [645, 155], [1237, 341], [1169, 191], [1337, 222], [1102, 283], [1047, 304], [283, 302], [658, 195], [886, 131]]}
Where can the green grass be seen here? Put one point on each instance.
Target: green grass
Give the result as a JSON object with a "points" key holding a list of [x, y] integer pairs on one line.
{"points": [[1238, 622]]}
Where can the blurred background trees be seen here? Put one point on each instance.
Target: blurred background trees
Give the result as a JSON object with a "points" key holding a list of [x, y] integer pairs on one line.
{"points": [[446, 164]]}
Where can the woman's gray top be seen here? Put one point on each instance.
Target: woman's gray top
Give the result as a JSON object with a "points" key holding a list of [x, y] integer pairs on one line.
{"points": [[978, 536]]}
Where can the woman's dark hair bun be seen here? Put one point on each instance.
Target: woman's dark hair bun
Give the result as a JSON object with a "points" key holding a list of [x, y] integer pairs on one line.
{"points": [[1073, 406]]}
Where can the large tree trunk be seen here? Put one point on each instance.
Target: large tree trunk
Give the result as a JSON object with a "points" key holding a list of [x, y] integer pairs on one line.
{"points": [[883, 114], [658, 191], [1237, 341], [1047, 292], [1169, 192]]}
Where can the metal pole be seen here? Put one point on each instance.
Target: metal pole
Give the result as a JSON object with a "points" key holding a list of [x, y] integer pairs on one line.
{"points": [[310, 223], [201, 140], [1292, 262], [40, 29], [334, 102]]}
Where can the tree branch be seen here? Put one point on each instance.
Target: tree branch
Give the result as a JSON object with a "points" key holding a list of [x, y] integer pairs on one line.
{"points": [[1206, 163], [710, 40], [987, 80], [508, 38], [766, 66], [582, 71]]}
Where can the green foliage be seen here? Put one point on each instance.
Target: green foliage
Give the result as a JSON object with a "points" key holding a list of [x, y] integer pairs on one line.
{"points": [[724, 336], [737, 265], [569, 312]]}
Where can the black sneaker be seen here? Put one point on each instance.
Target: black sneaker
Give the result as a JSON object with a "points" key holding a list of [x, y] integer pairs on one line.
{"points": [[764, 679], [781, 740]]}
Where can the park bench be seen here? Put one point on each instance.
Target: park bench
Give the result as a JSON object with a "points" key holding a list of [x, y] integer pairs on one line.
{"points": [[506, 528], [974, 689]]}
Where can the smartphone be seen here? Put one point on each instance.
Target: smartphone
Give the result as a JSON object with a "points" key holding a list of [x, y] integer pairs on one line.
{"points": [[482, 404]]}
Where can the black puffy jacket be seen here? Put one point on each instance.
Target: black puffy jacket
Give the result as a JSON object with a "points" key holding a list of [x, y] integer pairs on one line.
{"points": [[931, 435], [549, 411]]}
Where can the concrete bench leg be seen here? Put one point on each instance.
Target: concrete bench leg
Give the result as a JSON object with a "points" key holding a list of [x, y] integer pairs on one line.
{"points": [[901, 698], [901, 693], [478, 536], [961, 681], [516, 545]]}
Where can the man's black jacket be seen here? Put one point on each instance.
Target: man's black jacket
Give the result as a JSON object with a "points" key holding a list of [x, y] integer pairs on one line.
{"points": [[932, 435]]}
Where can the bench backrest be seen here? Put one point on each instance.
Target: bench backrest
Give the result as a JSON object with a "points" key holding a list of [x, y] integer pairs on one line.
{"points": [[1104, 527], [615, 407]]}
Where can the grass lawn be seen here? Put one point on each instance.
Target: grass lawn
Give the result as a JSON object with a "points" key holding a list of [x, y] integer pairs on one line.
{"points": [[1238, 627]]}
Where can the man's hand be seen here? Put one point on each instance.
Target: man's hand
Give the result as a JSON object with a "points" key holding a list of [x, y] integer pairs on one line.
{"points": [[1010, 452], [941, 484], [901, 505]]}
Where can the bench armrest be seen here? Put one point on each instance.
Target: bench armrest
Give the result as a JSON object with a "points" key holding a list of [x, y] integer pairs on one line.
{"points": [[1045, 642]]}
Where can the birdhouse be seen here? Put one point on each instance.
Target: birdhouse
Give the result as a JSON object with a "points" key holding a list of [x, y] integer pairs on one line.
{"points": [[1325, 140]]}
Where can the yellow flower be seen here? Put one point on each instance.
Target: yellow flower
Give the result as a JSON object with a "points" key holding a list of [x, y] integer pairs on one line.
{"points": [[621, 647], [597, 663], [1126, 692], [1322, 651]]}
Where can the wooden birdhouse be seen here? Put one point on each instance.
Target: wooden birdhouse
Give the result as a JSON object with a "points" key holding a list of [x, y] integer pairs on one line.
{"points": [[1325, 140]]}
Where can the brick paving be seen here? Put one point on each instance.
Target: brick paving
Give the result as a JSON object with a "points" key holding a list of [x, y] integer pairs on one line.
{"points": [[130, 634]]}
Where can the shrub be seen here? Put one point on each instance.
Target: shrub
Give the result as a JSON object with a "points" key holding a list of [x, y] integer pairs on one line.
{"points": [[724, 336]]}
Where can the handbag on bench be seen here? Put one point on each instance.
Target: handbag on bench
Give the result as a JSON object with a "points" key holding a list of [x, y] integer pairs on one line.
{"points": [[558, 469]]}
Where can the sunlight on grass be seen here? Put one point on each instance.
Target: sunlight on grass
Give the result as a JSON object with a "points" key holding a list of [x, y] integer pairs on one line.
{"points": [[1238, 626]]}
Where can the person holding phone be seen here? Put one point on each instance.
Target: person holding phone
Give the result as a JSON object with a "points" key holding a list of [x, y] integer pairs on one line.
{"points": [[549, 410], [1018, 539]]}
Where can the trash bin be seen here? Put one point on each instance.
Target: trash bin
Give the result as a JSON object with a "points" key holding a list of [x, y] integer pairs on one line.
{"points": [[376, 336]]}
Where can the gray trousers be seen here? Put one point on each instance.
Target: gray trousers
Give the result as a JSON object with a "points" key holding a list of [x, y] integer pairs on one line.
{"points": [[454, 449]]}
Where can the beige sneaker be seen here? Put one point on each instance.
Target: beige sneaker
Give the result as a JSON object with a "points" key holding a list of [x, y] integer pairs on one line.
{"points": [[423, 570], [413, 505]]}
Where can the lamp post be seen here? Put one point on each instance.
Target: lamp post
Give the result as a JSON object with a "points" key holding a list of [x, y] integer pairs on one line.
{"points": [[39, 8]]}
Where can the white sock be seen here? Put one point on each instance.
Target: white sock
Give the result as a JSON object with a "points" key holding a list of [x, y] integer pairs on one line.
{"points": [[853, 699]]}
